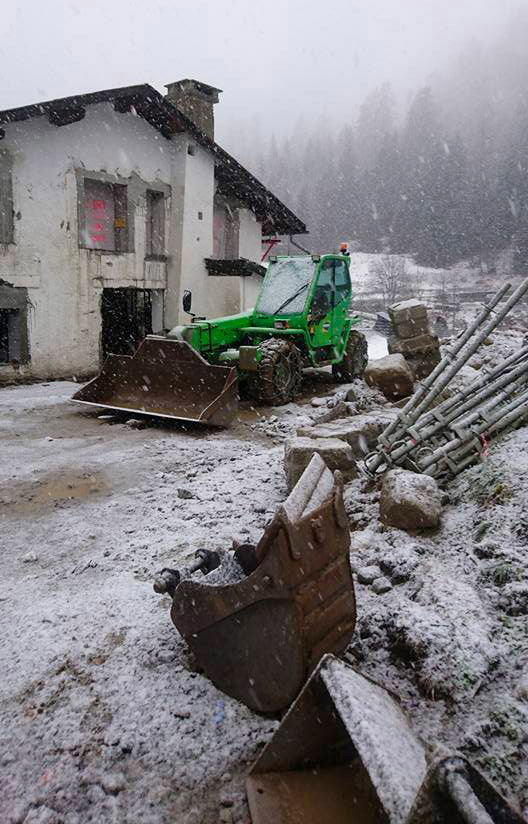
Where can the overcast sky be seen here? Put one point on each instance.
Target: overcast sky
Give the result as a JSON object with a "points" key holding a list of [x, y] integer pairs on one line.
{"points": [[274, 60]]}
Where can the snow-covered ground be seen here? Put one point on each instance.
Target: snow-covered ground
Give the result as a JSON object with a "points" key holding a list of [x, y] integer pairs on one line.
{"points": [[96, 690], [103, 718], [452, 293], [459, 276]]}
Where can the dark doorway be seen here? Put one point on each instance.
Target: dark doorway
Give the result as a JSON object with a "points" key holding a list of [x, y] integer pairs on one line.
{"points": [[127, 318], [4, 335], [14, 303]]}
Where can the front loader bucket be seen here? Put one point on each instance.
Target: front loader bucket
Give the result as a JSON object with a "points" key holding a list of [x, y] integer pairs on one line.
{"points": [[258, 638], [345, 752], [166, 378]]}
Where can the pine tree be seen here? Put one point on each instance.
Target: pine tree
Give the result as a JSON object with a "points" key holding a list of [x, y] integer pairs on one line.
{"points": [[381, 189], [513, 193], [346, 188], [376, 120]]}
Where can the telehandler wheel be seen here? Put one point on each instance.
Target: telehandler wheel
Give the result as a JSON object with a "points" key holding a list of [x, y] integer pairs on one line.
{"points": [[355, 358], [280, 372]]}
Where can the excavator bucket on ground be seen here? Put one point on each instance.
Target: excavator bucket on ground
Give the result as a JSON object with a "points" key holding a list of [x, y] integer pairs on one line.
{"points": [[259, 624], [345, 752], [165, 378]]}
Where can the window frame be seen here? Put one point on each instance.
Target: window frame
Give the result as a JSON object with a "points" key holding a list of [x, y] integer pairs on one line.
{"points": [[155, 198], [334, 291], [7, 211], [229, 240], [124, 234], [339, 291]]}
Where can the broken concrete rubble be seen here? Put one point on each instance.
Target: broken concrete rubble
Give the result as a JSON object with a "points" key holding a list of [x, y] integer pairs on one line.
{"points": [[381, 585], [410, 501], [364, 397], [298, 452], [459, 429], [392, 375], [412, 346], [409, 318], [412, 337], [368, 574], [340, 409], [360, 432]]}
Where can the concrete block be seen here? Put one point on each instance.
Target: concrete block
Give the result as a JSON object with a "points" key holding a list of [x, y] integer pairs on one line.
{"points": [[410, 501], [411, 328], [392, 375], [298, 453], [411, 346], [407, 310], [409, 319], [423, 363], [360, 432]]}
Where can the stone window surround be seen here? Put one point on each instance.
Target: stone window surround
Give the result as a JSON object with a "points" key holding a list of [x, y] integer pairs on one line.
{"points": [[136, 189]]}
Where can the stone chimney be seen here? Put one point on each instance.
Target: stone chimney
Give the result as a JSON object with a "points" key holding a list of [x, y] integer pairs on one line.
{"points": [[196, 101]]}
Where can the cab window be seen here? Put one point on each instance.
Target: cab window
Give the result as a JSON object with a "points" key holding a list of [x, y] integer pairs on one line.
{"points": [[323, 295], [342, 280]]}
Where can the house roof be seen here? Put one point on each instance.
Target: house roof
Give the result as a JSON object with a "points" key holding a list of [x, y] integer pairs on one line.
{"points": [[233, 179]]}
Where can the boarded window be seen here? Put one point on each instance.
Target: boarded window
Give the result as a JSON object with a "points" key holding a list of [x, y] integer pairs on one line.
{"points": [[10, 335], [225, 232], [7, 228], [155, 228], [104, 224]]}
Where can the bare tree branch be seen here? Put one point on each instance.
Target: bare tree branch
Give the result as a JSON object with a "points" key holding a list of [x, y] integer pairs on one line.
{"points": [[390, 276]]}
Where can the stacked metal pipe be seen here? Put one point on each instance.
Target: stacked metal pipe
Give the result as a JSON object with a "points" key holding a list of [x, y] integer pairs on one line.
{"points": [[442, 439]]}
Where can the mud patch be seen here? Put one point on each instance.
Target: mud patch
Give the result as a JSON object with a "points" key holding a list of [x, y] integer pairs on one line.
{"points": [[53, 490], [113, 640]]}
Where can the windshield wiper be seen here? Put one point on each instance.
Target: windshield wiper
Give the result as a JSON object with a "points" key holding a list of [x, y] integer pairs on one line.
{"points": [[292, 297]]}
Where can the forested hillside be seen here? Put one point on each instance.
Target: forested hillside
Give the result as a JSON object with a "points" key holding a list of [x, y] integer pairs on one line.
{"points": [[443, 178]]}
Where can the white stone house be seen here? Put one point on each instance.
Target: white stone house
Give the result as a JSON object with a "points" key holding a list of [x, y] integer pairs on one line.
{"points": [[111, 205]]}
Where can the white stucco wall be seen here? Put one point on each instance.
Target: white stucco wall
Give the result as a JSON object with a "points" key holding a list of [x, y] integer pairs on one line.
{"points": [[64, 281], [197, 234], [228, 296], [250, 247], [223, 296]]}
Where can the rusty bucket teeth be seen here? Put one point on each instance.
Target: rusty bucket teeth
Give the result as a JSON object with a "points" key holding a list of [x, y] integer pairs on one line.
{"points": [[165, 378], [258, 637]]}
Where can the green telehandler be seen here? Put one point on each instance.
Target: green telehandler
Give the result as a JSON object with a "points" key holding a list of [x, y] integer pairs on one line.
{"points": [[195, 373]]}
